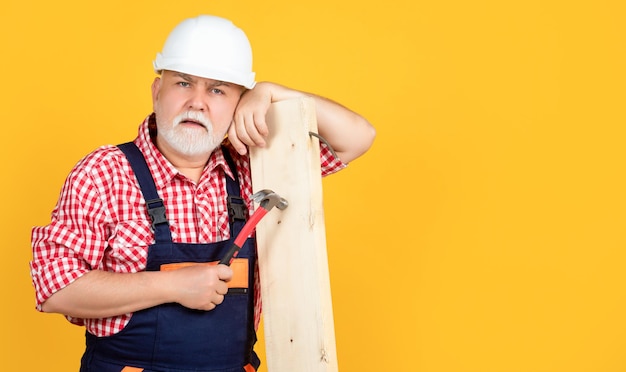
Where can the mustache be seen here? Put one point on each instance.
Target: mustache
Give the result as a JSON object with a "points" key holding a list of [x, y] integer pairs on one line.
{"points": [[194, 116]]}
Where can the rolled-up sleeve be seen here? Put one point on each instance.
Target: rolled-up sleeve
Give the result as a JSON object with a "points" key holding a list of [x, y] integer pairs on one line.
{"points": [[330, 163], [74, 242]]}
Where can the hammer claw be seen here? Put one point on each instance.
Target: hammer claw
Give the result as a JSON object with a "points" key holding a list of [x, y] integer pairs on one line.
{"points": [[267, 199]]}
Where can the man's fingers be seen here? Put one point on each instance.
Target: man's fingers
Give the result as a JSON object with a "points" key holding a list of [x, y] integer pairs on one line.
{"points": [[225, 274], [233, 137]]}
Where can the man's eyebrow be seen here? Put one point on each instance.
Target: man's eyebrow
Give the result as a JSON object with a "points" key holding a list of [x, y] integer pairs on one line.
{"points": [[185, 77], [214, 83], [217, 83]]}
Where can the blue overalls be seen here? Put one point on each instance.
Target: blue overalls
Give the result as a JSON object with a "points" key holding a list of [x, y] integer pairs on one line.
{"points": [[171, 337]]}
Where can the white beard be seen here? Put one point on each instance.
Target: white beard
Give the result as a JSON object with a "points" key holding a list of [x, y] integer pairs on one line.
{"points": [[190, 141]]}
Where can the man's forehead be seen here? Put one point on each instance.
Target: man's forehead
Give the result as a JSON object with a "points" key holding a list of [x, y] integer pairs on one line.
{"points": [[189, 77]]}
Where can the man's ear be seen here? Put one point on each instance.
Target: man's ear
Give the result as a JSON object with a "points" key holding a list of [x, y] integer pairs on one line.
{"points": [[156, 86]]}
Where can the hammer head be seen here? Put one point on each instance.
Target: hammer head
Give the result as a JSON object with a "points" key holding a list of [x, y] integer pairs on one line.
{"points": [[268, 199]]}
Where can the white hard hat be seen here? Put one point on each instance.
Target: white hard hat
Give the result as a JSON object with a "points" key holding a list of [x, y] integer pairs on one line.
{"points": [[210, 47]]}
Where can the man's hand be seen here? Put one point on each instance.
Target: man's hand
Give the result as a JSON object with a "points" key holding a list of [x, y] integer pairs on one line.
{"points": [[201, 287], [248, 127]]}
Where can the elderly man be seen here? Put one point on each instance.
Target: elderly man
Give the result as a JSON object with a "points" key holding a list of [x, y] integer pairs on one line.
{"points": [[130, 218]]}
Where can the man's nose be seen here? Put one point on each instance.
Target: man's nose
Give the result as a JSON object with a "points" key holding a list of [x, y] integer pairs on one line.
{"points": [[198, 100]]}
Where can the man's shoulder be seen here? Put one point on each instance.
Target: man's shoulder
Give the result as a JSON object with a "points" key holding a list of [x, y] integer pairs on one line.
{"points": [[103, 157]]}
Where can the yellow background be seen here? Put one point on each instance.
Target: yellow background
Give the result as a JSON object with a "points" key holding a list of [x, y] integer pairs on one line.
{"points": [[484, 231]]}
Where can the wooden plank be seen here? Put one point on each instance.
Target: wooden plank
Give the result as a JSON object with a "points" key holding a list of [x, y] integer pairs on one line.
{"points": [[293, 262]]}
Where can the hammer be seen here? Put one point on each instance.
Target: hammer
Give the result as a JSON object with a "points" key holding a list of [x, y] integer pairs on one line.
{"points": [[267, 199]]}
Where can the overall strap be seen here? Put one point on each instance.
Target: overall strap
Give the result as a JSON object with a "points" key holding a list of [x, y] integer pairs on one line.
{"points": [[155, 205], [236, 205]]}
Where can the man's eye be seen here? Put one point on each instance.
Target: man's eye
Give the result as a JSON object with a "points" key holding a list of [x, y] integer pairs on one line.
{"points": [[217, 91], [183, 84]]}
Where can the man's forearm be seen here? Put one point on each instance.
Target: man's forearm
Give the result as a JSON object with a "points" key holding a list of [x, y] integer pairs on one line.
{"points": [[349, 134], [101, 294]]}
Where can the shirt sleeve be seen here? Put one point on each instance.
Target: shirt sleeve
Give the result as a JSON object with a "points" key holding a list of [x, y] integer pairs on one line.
{"points": [[330, 163], [74, 242]]}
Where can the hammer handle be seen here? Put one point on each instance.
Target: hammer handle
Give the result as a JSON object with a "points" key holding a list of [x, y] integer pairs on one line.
{"points": [[243, 235], [228, 257]]}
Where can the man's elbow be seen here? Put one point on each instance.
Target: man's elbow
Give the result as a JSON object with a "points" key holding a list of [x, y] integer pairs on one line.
{"points": [[51, 304], [360, 143], [369, 136]]}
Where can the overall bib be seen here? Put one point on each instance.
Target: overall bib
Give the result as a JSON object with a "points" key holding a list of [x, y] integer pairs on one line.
{"points": [[171, 337]]}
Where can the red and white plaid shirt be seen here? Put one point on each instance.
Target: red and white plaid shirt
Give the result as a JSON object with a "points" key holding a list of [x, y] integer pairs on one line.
{"points": [[100, 221]]}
